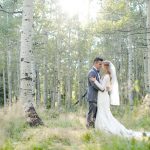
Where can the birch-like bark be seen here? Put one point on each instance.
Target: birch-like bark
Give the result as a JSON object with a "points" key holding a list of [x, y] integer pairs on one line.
{"points": [[130, 71], [33, 69], [18, 81], [79, 71], [38, 94], [9, 72], [45, 82], [4, 88], [148, 48], [68, 81], [25, 65], [18, 67], [54, 89], [58, 74], [145, 60], [45, 41], [130, 62]]}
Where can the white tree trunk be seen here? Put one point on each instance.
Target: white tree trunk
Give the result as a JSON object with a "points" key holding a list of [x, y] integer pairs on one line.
{"points": [[45, 41], [68, 81], [38, 95], [25, 64], [54, 89], [18, 76], [33, 69], [4, 88], [130, 61], [146, 69], [58, 60], [9, 72], [45, 82], [79, 71], [148, 48], [130, 72], [17, 73]]}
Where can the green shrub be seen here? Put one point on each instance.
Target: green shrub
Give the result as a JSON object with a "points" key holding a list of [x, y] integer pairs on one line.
{"points": [[87, 137], [7, 145]]}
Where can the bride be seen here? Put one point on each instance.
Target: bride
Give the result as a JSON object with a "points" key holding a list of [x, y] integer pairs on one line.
{"points": [[105, 121]]}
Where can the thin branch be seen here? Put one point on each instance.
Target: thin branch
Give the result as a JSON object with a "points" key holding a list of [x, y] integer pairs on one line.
{"points": [[14, 12]]}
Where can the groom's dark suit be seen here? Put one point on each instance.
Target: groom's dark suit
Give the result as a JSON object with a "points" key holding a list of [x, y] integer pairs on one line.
{"points": [[92, 95]]}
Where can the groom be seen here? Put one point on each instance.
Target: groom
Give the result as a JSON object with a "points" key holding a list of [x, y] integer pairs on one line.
{"points": [[93, 91]]}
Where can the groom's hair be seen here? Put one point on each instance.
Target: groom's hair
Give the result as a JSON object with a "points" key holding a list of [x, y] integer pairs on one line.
{"points": [[98, 59]]}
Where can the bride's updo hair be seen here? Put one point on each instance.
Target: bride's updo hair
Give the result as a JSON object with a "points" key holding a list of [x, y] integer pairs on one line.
{"points": [[106, 63], [107, 66]]}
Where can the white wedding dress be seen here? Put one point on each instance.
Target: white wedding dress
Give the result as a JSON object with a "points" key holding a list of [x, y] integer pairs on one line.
{"points": [[105, 121]]}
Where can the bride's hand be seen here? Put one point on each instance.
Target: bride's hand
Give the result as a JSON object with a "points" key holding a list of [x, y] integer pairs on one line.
{"points": [[93, 79]]}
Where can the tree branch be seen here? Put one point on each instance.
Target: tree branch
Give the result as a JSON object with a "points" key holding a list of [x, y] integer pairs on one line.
{"points": [[14, 12]]}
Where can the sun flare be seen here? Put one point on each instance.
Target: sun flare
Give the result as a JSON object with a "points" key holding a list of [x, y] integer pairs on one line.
{"points": [[82, 8]]}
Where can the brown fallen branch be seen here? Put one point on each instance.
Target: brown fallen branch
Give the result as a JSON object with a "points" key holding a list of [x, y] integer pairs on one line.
{"points": [[81, 98]]}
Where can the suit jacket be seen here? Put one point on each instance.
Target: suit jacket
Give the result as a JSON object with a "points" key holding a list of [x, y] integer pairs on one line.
{"points": [[92, 92]]}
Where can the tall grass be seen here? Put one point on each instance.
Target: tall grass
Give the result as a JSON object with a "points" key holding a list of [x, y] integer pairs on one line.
{"points": [[100, 141], [65, 130], [12, 123]]}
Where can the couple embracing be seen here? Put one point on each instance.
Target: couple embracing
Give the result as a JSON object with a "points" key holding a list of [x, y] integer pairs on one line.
{"points": [[103, 92]]}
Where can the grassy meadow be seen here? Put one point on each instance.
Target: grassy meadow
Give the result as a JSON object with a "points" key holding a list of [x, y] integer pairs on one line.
{"points": [[66, 131]]}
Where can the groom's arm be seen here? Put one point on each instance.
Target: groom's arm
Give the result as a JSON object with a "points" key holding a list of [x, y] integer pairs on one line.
{"points": [[97, 87]]}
